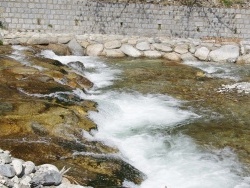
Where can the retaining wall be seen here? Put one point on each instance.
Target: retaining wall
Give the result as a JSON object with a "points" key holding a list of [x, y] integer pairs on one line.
{"points": [[88, 16]]}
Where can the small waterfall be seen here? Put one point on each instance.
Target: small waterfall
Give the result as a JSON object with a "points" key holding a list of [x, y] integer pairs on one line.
{"points": [[140, 126]]}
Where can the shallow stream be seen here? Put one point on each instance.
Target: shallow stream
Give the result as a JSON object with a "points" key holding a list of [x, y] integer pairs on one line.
{"points": [[183, 125]]}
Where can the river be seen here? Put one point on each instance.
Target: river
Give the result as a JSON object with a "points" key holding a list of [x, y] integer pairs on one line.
{"points": [[171, 121]]}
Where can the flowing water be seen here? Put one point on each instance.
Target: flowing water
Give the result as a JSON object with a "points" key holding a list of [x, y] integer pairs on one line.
{"points": [[154, 123]]}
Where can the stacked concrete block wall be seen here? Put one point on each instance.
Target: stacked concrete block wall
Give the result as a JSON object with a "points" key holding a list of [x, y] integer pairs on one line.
{"points": [[89, 16]]}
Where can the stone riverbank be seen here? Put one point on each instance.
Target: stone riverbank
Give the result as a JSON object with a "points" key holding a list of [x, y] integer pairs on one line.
{"points": [[176, 49], [17, 173]]}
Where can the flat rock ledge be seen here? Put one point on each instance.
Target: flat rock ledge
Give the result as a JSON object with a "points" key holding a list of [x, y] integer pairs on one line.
{"points": [[16, 173], [115, 46]]}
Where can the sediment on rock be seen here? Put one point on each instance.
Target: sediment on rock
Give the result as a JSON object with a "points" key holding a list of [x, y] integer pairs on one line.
{"points": [[41, 116]]}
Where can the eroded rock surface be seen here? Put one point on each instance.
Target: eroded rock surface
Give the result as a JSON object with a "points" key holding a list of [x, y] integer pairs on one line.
{"points": [[43, 121]]}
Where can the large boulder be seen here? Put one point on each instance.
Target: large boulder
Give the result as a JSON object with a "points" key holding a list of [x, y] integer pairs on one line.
{"points": [[172, 56], [202, 53], [95, 49], [181, 48], [188, 57], [39, 39], [113, 44], [130, 50], [245, 59], [226, 53], [64, 38], [114, 53], [143, 46], [75, 47], [77, 65], [162, 47], [152, 54], [58, 49]]}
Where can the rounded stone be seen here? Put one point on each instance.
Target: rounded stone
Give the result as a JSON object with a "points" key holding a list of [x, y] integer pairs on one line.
{"points": [[113, 44], [7, 170], [29, 167], [18, 166], [202, 53], [130, 51], [95, 49], [143, 46]]}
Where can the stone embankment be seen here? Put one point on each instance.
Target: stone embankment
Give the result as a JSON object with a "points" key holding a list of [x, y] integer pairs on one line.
{"points": [[175, 49], [16, 173]]}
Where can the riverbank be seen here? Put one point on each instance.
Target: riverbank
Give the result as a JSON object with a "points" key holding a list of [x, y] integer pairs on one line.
{"points": [[116, 46], [43, 120], [18, 173]]}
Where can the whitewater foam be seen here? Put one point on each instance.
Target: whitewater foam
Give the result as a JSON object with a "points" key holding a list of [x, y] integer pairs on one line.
{"points": [[140, 127]]}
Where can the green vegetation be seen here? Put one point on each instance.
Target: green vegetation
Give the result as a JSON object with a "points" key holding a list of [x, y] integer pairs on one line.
{"points": [[1, 42]]}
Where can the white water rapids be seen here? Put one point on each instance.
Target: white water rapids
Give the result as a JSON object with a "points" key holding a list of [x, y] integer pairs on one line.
{"points": [[140, 127]]}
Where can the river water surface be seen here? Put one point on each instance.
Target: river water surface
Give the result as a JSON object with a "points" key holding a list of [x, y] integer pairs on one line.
{"points": [[182, 125]]}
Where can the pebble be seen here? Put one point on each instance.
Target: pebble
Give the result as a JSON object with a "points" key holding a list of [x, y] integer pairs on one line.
{"points": [[16, 173]]}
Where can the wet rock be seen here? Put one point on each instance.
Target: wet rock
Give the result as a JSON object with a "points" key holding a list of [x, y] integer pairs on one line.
{"points": [[7, 170], [143, 46], [77, 65], [39, 129], [58, 49], [226, 53], [5, 107], [130, 51], [113, 44], [95, 49], [101, 171]]}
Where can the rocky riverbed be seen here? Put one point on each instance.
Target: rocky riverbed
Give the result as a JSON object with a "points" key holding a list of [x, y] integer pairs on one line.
{"points": [[43, 121]]}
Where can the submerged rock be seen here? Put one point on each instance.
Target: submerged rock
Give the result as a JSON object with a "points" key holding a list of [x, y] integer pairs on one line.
{"points": [[77, 65]]}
